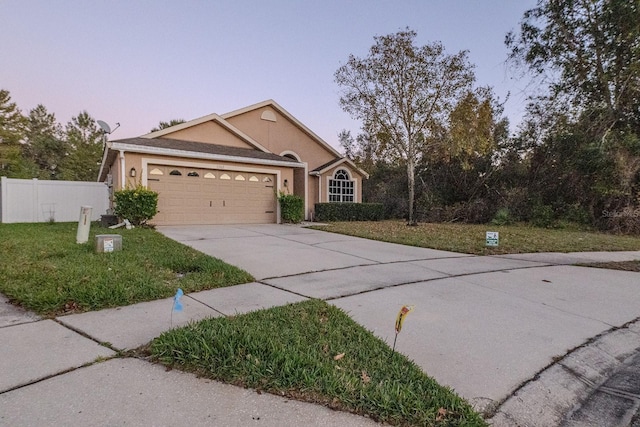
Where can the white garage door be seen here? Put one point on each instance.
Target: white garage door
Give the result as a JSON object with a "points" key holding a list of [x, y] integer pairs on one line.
{"points": [[208, 196]]}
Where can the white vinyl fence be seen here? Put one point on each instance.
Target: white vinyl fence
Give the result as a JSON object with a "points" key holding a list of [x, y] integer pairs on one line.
{"points": [[32, 200]]}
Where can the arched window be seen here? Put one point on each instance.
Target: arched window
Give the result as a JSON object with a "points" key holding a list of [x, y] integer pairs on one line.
{"points": [[341, 187]]}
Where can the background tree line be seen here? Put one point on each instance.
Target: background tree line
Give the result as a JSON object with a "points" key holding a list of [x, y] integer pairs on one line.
{"points": [[438, 148], [37, 146]]}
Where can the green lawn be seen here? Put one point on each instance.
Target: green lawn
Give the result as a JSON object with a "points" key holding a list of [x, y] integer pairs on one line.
{"points": [[44, 270], [470, 238], [288, 350], [314, 352]]}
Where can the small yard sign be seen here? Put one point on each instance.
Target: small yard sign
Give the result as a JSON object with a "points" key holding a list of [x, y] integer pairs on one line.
{"points": [[492, 238], [108, 244]]}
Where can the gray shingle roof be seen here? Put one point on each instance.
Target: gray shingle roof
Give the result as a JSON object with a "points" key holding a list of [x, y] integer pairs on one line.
{"points": [[326, 165], [202, 147]]}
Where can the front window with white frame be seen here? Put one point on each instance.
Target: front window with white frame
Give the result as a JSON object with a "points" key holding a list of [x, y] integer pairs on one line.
{"points": [[341, 187]]}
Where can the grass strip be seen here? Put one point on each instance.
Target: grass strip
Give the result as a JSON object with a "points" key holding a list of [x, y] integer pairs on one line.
{"points": [[470, 238], [295, 351], [44, 270]]}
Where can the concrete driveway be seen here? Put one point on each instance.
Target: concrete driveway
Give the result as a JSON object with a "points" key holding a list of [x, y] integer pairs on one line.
{"points": [[491, 328]]}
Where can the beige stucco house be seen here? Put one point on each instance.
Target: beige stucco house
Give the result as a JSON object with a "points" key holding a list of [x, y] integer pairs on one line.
{"points": [[229, 168]]}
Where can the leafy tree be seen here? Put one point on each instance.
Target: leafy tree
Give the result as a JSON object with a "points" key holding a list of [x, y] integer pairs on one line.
{"points": [[387, 183], [11, 120], [85, 143], [14, 165], [44, 142], [584, 132], [403, 94], [475, 127], [361, 149], [589, 53], [12, 124], [164, 125]]}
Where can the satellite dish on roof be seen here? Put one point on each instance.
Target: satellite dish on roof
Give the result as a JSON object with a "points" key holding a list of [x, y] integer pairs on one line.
{"points": [[105, 127]]}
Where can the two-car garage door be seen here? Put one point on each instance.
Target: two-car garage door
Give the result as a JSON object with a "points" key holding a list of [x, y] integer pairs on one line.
{"points": [[209, 196]]}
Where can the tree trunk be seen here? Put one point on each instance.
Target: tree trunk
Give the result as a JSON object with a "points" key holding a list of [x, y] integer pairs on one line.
{"points": [[411, 182]]}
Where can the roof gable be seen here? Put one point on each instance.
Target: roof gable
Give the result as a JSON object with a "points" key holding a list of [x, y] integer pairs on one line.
{"points": [[215, 118], [337, 162], [297, 123]]}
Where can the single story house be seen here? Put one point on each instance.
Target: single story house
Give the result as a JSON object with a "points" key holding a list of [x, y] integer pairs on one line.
{"points": [[230, 168]]}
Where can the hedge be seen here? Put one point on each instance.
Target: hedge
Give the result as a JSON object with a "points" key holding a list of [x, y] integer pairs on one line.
{"points": [[349, 211]]}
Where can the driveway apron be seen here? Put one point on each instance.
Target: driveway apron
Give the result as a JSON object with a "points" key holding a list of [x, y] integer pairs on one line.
{"points": [[484, 326]]}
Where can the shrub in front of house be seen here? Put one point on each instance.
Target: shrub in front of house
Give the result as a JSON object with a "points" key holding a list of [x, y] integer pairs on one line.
{"points": [[349, 211], [291, 208], [138, 204]]}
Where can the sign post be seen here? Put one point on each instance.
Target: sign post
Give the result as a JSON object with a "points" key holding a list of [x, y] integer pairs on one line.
{"points": [[84, 223]]}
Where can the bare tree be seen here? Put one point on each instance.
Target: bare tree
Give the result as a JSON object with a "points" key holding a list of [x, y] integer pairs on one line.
{"points": [[403, 94]]}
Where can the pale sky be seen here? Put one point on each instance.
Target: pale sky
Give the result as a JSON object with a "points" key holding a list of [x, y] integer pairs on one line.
{"points": [[140, 62]]}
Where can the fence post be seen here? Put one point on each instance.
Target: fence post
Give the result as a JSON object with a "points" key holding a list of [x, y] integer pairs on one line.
{"points": [[3, 199], [34, 206]]}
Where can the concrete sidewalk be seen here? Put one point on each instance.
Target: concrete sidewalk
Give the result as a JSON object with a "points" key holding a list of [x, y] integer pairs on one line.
{"points": [[485, 326], [55, 372]]}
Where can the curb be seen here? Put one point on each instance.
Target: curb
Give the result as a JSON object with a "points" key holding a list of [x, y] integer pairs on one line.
{"points": [[561, 394]]}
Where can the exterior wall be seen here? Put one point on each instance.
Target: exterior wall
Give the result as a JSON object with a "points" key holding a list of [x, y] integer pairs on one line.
{"points": [[113, 169], [141, 161], [281, 135], [284, 137], [32, 200], [209, 132], [313, 194], [116, 174], [131, 160]]}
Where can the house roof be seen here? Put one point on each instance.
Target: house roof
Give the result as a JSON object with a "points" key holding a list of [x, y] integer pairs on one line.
{"points": [[192, 149], [208, 118], [336, 162], [273, 104], [221, 120], [154, 143], [203, 147]]}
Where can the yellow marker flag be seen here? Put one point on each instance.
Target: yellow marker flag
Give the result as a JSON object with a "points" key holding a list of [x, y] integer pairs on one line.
{"points": [[406, 309]]}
